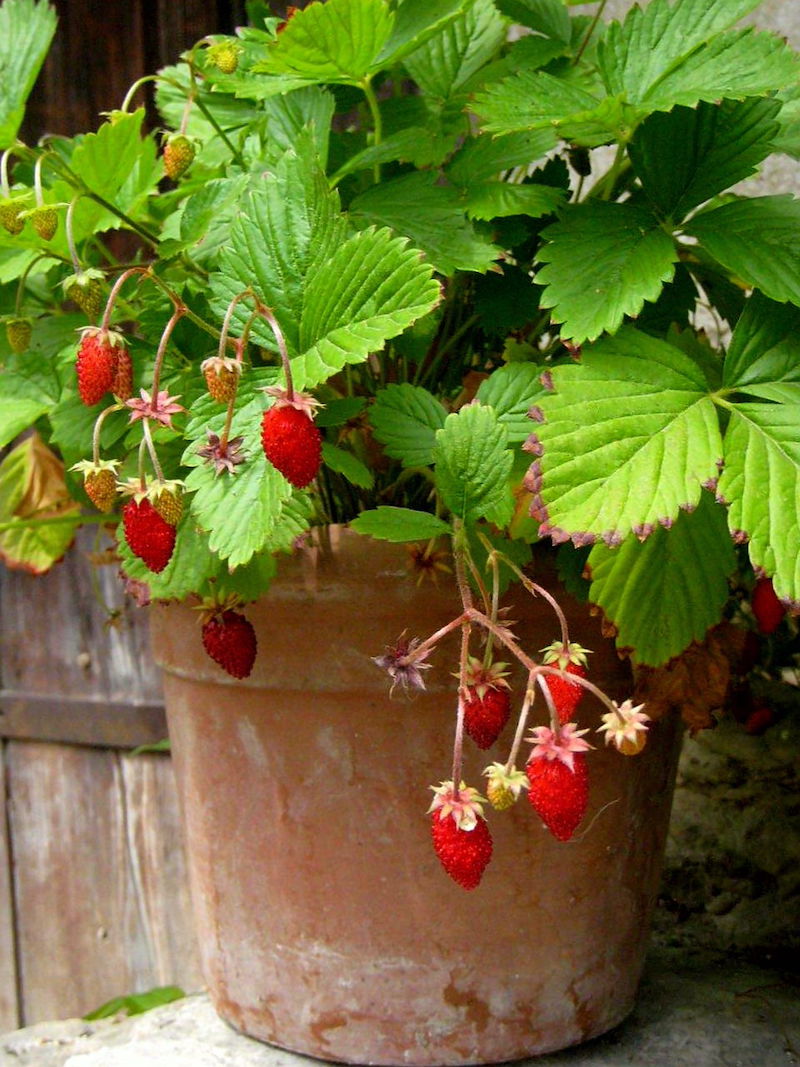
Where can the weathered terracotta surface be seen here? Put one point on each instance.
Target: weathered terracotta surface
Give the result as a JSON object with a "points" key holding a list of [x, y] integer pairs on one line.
{"points": [[326, 923]]}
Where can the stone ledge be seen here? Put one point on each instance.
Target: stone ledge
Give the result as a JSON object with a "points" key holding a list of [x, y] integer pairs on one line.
{"points": [[693, 1009]]}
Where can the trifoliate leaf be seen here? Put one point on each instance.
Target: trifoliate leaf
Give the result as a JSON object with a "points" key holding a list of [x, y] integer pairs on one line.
{"points": [[512, 391], [532, 100], [761, 483], [764, 353], [473, 466], [415, 22], [399, 525], [758, 239], [602, 262], [666, 592], [688, 155], [405, 418], [629, 437]]}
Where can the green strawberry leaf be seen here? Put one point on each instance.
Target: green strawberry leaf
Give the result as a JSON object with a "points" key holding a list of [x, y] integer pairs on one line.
{"points": [[449, 58], [676, 53], [548, 17], [602, 262], [629, 437], [666, 592], [400, 525], [405, 418], [761, 483], [288, 225], [117, 164], [485, 157], [368, 291], [496, 199], [431, 216], [764, 353], [688, 155], [758, 240], [533, 100], [788, 137], [338, 41], [345, 463], [416, 21], [187, 570], [473, 466], [512, 391], [26, 29]]}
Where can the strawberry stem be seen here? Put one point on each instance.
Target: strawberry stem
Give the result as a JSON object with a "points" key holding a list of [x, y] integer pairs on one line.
{"points": [[151, 448], [5, 188], [458, 741], [73, 251], [530, 695], [37, 181], [266, 313], [98, 422], [175, 318]]}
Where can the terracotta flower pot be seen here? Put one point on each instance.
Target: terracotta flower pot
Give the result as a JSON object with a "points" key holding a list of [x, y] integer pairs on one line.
{"points": [[326, 923]]}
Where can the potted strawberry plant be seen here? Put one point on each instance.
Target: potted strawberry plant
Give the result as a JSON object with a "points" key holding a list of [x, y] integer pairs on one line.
{"points": [[387, 276]]}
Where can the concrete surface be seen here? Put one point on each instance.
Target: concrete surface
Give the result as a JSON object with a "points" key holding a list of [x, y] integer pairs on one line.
{"points": [[694, 1011]]}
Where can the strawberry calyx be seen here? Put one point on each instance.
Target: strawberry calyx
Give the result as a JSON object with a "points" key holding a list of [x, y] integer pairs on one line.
{"points": [[560, 744], [464, 805], [479, 678], [625, 727], [304, 402], [561, 655], [504, 785]]}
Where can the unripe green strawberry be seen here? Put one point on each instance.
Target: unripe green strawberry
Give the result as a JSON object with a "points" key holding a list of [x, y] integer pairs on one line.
{"points": [[18, 334], [503, 787], [225, 56], [167, 499], [44, 220], [99, 481], [11, 215], [179, 155], [86, 290], [222, 377]]}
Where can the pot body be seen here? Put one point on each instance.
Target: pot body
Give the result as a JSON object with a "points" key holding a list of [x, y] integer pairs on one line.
{"points": [[326, 923]]}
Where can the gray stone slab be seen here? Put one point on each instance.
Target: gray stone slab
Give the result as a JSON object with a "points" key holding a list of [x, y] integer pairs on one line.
{"points": [[693, 1011]]}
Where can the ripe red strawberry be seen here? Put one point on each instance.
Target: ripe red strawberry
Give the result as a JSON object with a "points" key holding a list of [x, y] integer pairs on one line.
{"points": [[292, 443], [230, 640], [461, 838], [179, 155], [464, 854], [122, 386], [768, 610], [98, 357], [566, 695], [149, 536], [559, 795], [485, 717]]}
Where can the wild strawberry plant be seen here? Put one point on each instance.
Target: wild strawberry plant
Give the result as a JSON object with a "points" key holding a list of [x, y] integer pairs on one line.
{"points": [[386, 263]]}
